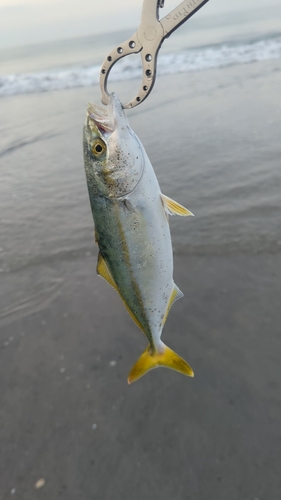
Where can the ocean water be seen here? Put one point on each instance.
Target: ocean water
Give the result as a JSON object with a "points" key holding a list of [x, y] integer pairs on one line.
{"points": [[130, 68], [236, 200], [200, 44], [212, 129]]}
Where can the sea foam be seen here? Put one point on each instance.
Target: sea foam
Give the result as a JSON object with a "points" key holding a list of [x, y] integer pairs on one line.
{"points": [[184, 61]]}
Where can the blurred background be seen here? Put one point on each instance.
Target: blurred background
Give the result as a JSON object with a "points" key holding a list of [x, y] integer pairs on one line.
{"points": [[70, 426]]}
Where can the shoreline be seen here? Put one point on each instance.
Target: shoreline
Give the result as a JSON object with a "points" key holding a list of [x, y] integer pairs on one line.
{"points": [[66, 341]]}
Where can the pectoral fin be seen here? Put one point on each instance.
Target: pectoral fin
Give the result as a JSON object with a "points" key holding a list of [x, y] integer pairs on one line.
{"points": [[174, 208], [152, 359], [104, 272]]}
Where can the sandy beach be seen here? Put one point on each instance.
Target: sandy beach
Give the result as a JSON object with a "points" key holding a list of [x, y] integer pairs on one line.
{"points": [[66, 342]]}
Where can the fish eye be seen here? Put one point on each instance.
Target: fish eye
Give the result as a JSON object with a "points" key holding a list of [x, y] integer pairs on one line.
{"points": [[98, 148]]}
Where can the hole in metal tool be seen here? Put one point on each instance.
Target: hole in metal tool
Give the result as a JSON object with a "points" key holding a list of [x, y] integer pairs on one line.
{"points": [[145, 88], [109, 58], [132, 44], [119, 50], [148, 72], [126, 89], [148, 57]]}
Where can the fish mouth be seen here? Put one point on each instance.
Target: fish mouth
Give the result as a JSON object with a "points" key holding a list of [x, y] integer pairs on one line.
{"points": [[100, 118], [109, 118]]}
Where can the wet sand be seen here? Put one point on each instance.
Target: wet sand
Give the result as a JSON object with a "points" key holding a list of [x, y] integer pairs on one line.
{"points": [[67, 344], [167, 436]]}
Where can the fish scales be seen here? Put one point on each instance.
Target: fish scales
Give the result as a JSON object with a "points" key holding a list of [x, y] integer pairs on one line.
{"points": [[132, 229]]}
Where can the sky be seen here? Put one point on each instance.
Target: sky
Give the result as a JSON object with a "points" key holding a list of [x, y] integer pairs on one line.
{"points": [[33, 21]]}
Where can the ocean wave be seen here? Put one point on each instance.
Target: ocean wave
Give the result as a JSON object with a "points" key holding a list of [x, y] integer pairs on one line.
{"points": [[129, 68]]}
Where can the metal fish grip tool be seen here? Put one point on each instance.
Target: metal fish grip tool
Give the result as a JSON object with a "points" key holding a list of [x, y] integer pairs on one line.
{"points": [[147, 40]]}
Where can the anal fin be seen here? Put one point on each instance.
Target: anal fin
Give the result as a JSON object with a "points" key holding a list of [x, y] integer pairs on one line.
{"points": [[174, 208], [104, 272]]}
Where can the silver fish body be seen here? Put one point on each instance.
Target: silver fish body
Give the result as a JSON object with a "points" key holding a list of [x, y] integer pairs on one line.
{"points": [[132, 229]]}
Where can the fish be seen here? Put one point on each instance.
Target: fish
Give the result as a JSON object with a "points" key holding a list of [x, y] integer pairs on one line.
{"points": [[131, 219]]}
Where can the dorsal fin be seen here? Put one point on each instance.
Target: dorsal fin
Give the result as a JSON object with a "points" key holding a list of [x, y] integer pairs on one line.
{"points": [[175, 295], [104, 272], [174, 208]]}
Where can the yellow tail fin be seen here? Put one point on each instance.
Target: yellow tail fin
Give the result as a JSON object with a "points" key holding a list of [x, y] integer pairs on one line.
{"points": [[151, 359]]}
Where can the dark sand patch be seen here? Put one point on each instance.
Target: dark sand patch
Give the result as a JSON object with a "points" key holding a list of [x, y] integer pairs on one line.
{"points": [[166, 436]]}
